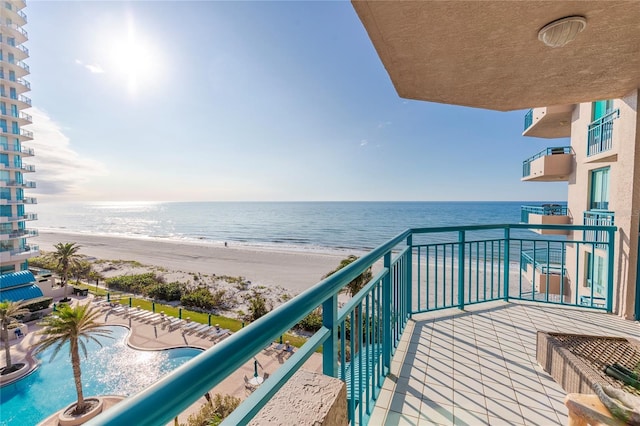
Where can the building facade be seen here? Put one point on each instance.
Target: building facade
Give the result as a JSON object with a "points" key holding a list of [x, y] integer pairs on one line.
{"points": [[602, 169], [14, 173]]}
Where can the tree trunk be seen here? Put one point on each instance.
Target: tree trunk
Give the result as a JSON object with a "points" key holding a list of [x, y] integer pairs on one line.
{"points": [[75, 363], [7, 347]]}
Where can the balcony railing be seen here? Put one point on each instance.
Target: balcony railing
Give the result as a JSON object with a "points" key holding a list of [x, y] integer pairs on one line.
{"points": [[526, 164], [422, 270], [26, 133], [24, 99], [544, 210], [600, 137], [28, 216], [598, 218], [24, 184], [528, 119], [20, 233], [19, 251], [13, 148]]}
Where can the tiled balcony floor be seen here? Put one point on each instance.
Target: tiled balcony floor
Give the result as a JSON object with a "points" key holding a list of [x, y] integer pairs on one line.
{"points": [[478, 366]]}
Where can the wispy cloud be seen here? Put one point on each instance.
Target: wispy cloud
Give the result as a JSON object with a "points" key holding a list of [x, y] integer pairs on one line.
{"points": [[60, 170], [363, 142], [384, 124], [94, 68]]}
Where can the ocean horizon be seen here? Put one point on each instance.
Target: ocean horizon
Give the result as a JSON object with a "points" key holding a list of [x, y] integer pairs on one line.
{"points": [[290, 225]]}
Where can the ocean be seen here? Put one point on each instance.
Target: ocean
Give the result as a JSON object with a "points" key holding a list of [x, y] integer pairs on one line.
{"points": [[322, 226]]}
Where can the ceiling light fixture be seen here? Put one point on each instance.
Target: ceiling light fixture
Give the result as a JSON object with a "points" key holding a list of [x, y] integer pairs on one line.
{"points": [[562, 31]]}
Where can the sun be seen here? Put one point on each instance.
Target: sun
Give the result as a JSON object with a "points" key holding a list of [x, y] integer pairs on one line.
{"points": [[135, 59]]}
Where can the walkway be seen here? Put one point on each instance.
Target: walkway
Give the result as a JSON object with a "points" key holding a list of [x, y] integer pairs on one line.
{"points": [[479, 366]]}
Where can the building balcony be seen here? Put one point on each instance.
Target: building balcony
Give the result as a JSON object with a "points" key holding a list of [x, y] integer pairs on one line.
{"points": [[600, 137], [16, 31], [444, 333], [17, 234], [27, 200], [26, 152], [22, 218], [25, 168], [19, 254], [19, 51], [549, 165], [20, 68], [546, 214], [548, 122], [17, 184]]}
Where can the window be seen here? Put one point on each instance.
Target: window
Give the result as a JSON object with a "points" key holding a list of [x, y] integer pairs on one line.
{"points": [[3, 125], [14, 128], [599, 189], [12, 93], [11, 58], [596, 273], [12, 75], [14, 110], [11, 41], [601, 108]]}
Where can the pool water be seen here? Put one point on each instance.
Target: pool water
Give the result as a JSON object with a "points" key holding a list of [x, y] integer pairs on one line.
{"points": [[113, 369]]}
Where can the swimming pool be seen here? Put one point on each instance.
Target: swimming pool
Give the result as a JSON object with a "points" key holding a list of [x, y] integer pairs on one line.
{"points": [[113, 369]]}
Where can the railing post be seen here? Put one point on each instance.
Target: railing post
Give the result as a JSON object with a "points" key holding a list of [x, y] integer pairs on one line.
{"points": [[507, 262], [409, 276], [330, 346], [460, 269], [610, 249], [386, 315]]}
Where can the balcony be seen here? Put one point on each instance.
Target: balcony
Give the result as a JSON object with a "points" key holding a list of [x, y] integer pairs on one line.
{"points": [[546, 214], [9, 219], [549, 165], [598, 218], [19, 254], [17, 184], [18, 233], [600, 137], [448, 365], [548, 122], [28, 200], [6, 148]]}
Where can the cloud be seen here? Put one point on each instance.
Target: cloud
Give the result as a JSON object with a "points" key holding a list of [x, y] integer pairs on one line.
{"points": [[384, 124], [363, 142], [95, 69], [60, 170]]}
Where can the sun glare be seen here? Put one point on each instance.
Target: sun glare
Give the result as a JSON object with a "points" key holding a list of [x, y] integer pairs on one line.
{"points": [[136, 59]]}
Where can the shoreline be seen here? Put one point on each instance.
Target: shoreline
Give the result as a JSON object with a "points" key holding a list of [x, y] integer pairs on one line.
{"points": [[295, 271]]}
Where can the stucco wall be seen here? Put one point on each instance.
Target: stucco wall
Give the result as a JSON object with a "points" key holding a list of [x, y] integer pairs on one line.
{"points": [[624, 194]]}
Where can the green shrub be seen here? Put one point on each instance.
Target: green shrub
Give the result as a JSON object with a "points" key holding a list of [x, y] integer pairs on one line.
{"points": [[213, 412], [138, 283], [312, 322], [257, 307], [163, 291], [198, 298]]}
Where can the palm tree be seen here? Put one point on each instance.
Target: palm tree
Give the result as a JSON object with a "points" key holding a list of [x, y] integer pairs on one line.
{"points": [[357, 283], [352, 288], [9, 311], [76, 326], [66, 257]]}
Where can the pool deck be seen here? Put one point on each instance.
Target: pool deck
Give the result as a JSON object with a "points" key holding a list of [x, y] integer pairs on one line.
{"points": [[145, 336]]}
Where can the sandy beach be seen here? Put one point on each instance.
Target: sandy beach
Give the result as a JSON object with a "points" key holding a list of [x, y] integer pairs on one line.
{"points": [[295, 271]]}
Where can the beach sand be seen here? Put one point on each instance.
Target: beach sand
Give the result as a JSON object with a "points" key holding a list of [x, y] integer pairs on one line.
{"points": [[295, 271]]}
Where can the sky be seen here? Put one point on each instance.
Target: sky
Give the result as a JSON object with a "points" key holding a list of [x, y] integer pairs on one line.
{"points": [[248, 101]]}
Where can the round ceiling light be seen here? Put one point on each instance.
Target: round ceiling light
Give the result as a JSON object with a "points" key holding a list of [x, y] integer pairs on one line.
{"points": [[560, 32]]}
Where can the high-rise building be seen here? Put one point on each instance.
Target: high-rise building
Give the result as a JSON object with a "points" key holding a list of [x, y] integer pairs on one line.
{"points": [[15, 249]]}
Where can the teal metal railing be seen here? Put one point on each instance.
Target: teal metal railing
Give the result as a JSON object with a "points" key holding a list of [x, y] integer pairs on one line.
{"points": [[598, 218], [544, 209], [600, 136], [420, 270], [526, 164], [528, 119]]}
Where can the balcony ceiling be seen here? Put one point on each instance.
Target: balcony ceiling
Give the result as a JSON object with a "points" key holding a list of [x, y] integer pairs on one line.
{"points": [[486, 54]]}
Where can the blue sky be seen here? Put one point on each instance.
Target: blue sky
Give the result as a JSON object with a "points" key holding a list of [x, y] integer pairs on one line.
{"points": [[197, 101]]}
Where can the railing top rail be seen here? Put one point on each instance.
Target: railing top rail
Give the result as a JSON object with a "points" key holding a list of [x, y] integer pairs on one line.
{"points": [[549, 151], [510, 226], [611, 115], [196, 377]]}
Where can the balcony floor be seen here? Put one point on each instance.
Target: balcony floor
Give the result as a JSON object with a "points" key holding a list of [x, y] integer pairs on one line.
{"points": [[479, 366]]}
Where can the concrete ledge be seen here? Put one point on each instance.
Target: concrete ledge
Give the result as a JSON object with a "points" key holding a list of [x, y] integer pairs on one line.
{"points": [[308, 398]]}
